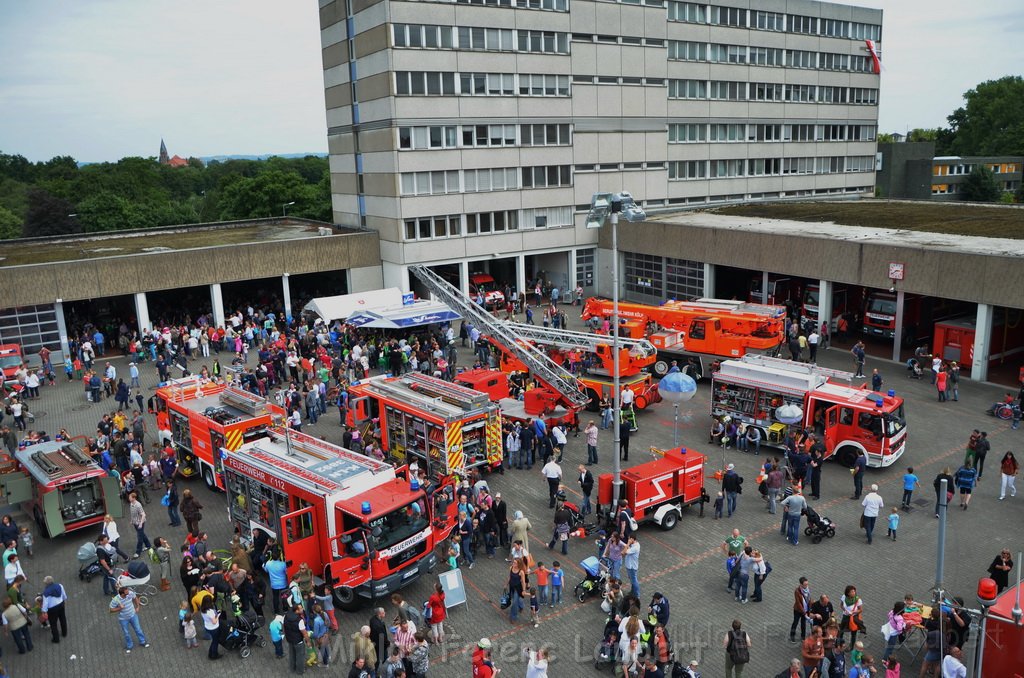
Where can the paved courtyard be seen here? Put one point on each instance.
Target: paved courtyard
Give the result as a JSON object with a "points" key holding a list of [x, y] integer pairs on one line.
{"points": [[684, 564]]}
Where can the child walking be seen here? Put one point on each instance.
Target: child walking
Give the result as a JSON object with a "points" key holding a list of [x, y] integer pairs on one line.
{"points": [[894, 522], [27, 541], [188, 626], [542, 574], [534, 606], [719, 503], [557, 575]]}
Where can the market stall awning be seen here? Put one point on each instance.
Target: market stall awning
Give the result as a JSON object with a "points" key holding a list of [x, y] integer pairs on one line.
{"points": [[343, 306], [420, 312]]}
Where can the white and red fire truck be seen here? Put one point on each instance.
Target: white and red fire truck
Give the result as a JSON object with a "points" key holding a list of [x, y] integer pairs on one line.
{"points": [[851, 419], [656, 491], [60, 486], [360, 524]]}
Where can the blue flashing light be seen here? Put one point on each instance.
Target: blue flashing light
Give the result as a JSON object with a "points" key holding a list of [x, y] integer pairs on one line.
{"points": [[365, 508]]}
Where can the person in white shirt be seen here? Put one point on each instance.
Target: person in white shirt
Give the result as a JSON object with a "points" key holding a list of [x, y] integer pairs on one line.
{"points": [[872, 506], [13, 568], [558, 433], [538, 666], [952, 666], [626, 398], [553, 472], [812, 344]]}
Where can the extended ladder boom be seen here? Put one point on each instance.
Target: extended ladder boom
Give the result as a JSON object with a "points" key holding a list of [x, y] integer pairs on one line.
{"points": [[586, 341], [540, 365]]}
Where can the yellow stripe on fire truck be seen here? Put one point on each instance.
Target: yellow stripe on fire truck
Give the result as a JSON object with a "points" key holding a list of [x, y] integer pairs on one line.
{"points": [[495, 449], [233, 440], [453, 447]]}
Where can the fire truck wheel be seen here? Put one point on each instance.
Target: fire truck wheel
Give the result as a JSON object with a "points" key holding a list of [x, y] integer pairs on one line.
{"points": [[345, 598], [846, 456], [661, 368], [38, 516], [208, 478], [641, 402], [669, 521]]}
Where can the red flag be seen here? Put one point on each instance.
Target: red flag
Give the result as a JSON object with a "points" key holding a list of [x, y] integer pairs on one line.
{"points": [[873, 51]]}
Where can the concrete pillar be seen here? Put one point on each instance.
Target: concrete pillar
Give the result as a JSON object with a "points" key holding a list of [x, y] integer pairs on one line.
{"points": [[764, 287], [464, 278], [572, 277], [825, 289], [521, 275], [62, 327], [217, 303], [286, 290], [982, 343], [709, 281], [142, 312], [394, 275], [897, 338]]}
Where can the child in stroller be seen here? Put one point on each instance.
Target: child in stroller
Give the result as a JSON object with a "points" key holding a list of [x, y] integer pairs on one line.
{"points": [[818, 527], [914, 369], [241, 634], [608, 649], [597, 574], [88, 562]]}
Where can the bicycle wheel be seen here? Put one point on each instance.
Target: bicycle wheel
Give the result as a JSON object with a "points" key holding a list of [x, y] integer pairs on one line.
{"points": [[143, 599]]}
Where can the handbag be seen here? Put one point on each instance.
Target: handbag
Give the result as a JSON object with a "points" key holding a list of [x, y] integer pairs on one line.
{"points": [[506, 599], [887, 631], [165, 500], [862, 521]]}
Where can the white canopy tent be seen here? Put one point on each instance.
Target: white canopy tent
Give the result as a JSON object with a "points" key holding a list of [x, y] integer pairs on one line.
{"points": [[342, 306], [420, 312]]}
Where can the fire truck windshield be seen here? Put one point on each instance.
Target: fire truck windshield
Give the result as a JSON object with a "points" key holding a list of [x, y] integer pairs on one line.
{"points": [[894, 421], [811, 297], [392, 528], [882, 306], [10, 361]]}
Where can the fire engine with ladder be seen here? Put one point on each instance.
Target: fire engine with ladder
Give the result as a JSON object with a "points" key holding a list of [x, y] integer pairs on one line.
{"points": [[60, 486], [364, 526], [443, 428], [205, 417], [682, 329], [852, 420]]}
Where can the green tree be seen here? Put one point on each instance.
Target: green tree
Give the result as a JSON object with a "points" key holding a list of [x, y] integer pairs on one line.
{"points": [[992, 121], [884, 138], [49, 215], [265, 195], [920, 134], [980, 185], [10, 224]]}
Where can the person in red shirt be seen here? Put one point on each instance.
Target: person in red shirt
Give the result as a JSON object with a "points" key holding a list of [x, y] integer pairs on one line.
{"points": [[483, 667], [438, 613]]}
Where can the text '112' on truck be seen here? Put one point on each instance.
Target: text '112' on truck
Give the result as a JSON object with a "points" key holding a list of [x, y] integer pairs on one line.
{"points": [[364, 526]]}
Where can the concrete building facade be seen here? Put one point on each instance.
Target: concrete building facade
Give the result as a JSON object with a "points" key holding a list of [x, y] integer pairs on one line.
{"points": [[913, 171], [473, 133]]}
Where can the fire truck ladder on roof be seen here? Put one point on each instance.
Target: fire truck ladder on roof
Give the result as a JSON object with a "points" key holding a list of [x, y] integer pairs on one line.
{"points": [[452, 394], [567, 339], [735, 307], [539, 364], [799, 368], [249, 403], [298, 442]]}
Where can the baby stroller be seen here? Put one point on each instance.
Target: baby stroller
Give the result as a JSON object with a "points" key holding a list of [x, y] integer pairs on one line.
{"points": [[597, 573], [241, 635], [818, 527], [136, 577], [608, 649], [88, 563], [576, 518], [914, 370]]}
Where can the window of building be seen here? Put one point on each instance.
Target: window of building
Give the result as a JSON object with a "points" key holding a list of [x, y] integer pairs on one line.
{"points": [[684, 50], [546, 217], [764, 132], [687, 169], [643, 274], [493, 39], [547, 42], [757, 167], [496, 3], [798, 165], [861, 64], [766, 91], [796, 58], [728, 16], [488, 135], [418, 35], [831, 165], [835, 28], [586, 263], [680, 133], [422, 138], [438, 182], [766, 56], [798, 132], [547, 176], [802, 24], [551, 5], [828, 61], [863, 95], [727, 132], [769, 21], [800, 92], [860, 163], [689, 12], [732, 54], [31, 326], [687, 89], [545, 135], [481, 223], [428, 228], [828, 94], [865, 31], [727, 89], [630, 40], [684, 279], [832, 132], [861, 133], [487, 84], [491, 179], [727, 168], [424, 83], [543, 85]]}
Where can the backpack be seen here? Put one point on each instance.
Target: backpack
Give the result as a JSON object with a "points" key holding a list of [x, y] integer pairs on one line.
{"points": [[427, 611], [737, 650]]}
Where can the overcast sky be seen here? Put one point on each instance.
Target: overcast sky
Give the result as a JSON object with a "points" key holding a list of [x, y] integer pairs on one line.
{"points": [[103, 79]]}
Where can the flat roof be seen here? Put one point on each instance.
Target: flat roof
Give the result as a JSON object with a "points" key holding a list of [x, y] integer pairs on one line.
{"points": [[917, 223], [165, 239], [932, 226]]}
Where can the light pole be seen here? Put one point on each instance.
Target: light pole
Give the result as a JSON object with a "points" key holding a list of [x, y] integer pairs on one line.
{"points": [[603, 205], [284, 208]]}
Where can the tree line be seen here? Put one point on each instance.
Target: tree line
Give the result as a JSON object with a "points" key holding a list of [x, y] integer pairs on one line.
{"points": [[59, 197]]}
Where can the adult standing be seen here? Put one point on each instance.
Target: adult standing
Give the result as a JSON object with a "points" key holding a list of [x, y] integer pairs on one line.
{"points": [[860, 466], [953, 381], [812, 345], [793, 507], [561, 529], [277, 572], [731, 485], [760, 571], [872, 504], [17, 623], [801, 609], [516, 588], [379, 635], [625, 430], [295, 636], [733, 546], [897, 627], [519, 531], [631, 560], [937, 484], [54, 600], [211, 622], [614, 551], [737, 650], [552, 472], [500, 510], [773, 484], [981, 449], [813, 652], [858, 358], [966, 477], [1008, 467], [586, 481], [438, 613], [466, 534], [852, 608], [817, 453], [8, 530], [591, 433], [191, 511], [105, 558], [138, 517], [1000, 569], [952, 664], [172, 503], [744, 564], [126, 606]]}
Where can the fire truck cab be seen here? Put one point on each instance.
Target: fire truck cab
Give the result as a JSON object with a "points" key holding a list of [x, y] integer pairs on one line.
{"points": [[444, 428], [60, 486], [205, 416], [10, 362], [851, 420], [364, 527]]}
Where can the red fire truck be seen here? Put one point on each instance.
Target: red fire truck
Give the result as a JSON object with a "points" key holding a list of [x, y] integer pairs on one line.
{"points": [[445, 428], [60, 486], [205, 416], [359, 523], [10, 361], [845, 299], [657, 490], [954, 339], [851, 419]]}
